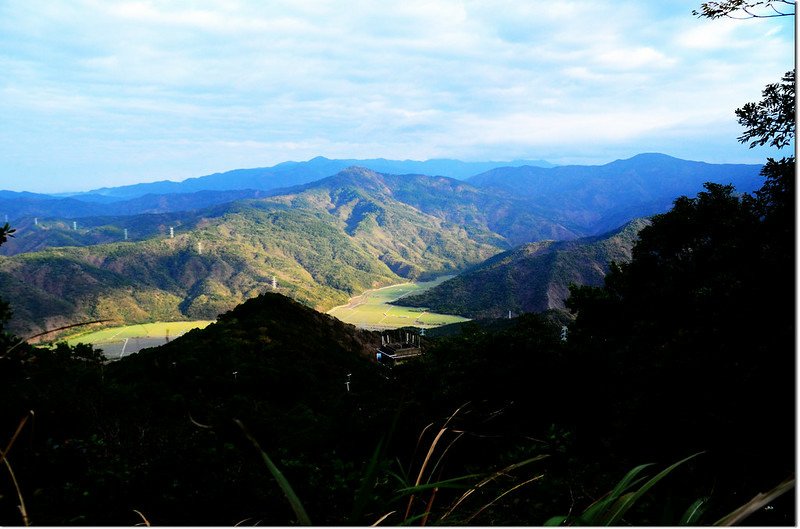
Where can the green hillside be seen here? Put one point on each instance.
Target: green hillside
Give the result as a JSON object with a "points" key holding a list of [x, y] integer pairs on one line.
{"points": [[196, 275], [531, 278], [323, 243]]}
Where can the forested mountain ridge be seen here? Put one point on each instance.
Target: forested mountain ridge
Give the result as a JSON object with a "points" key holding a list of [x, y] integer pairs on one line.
{"points": [[198, 274], [498, 220], [595, 199], [324, 241], [323, 244], [530, 278], [581, 200], [287, 174], [20, 207]]}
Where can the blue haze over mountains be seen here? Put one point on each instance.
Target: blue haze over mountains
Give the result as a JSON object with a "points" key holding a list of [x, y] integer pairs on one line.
{"points": [[588, 199], [289, 174], [327, 239]]}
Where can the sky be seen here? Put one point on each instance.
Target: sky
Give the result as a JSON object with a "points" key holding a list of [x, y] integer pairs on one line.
{"points": [[98, 93]]}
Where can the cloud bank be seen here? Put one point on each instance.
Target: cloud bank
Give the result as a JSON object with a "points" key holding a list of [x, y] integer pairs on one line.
{"points": [[99, 93]]}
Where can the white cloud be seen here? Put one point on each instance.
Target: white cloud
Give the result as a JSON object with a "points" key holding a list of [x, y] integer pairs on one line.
{"points": [[248, 83]]}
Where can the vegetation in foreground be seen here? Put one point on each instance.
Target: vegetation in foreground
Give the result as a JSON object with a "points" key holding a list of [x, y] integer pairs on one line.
{"points": [[508, 426], [275, 415]]}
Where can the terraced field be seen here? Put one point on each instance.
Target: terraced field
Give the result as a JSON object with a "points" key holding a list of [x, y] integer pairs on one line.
{"points": [[371, 310]]}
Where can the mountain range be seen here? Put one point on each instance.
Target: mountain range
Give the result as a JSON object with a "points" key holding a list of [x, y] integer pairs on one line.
{"points": [[192, 193], [324, 241], [287, 174]]}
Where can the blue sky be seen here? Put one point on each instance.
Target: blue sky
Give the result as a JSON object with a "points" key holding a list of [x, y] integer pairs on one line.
{"points": [[100, 93]]}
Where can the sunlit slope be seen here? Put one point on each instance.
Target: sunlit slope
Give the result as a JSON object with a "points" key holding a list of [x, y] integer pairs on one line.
{"points": [[195, 275], [531, 278], [322, 244], [372, 309]]}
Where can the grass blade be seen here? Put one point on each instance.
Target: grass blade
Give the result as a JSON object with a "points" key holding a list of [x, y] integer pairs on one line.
{"points": [[512, 489], [490, 478], [382, 518], [294, 501], [367, 484], [555, 521], [451, 483], [593, 514], [629, 501], [758, 501], [694, 512], [14, 437], [145, 521], [23, 511]]}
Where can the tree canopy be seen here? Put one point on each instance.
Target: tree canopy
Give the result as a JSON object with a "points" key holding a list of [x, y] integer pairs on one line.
{"points": [[771, 120], [741, 9]]}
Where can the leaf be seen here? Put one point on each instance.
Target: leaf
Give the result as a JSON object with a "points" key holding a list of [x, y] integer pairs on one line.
{"points": [[294, 501], [631, 500], [452, 483], [694, 512], [758, 501], [367, 484]]}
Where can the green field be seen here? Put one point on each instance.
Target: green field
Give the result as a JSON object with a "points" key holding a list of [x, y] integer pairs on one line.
{"points": [[371, 310], [120, 341]]}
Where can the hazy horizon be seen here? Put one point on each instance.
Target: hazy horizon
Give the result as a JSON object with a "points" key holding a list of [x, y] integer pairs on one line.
{"points": [[107, 94]]}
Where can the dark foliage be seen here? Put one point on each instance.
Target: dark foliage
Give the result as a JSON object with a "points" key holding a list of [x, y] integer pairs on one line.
{"points": [[746, 9], [690, 345], [771, 120]]}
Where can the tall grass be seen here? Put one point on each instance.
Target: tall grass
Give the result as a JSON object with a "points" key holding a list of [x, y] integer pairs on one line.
{"points": [[286, 487], [4, 458], [610, 509], [419, 488]]}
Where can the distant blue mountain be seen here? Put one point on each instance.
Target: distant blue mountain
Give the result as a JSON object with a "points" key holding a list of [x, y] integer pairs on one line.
{"points": [[288, 174], [21, 205], [581, 199], [593, 199]]}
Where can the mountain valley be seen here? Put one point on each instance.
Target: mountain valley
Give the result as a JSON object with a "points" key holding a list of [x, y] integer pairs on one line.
{"points": [[333, 238], [534, 277], [273, 378]]}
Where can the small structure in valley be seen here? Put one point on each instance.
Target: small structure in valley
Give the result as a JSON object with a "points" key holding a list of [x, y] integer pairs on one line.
{"points": [[398, 346]]}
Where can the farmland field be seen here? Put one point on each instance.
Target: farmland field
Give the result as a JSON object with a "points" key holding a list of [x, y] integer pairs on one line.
{"points": [[120, 341], [371, 310]]}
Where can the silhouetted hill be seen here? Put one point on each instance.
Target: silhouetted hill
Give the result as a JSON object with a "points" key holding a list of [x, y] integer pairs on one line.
{"points": [[531, 278]]}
